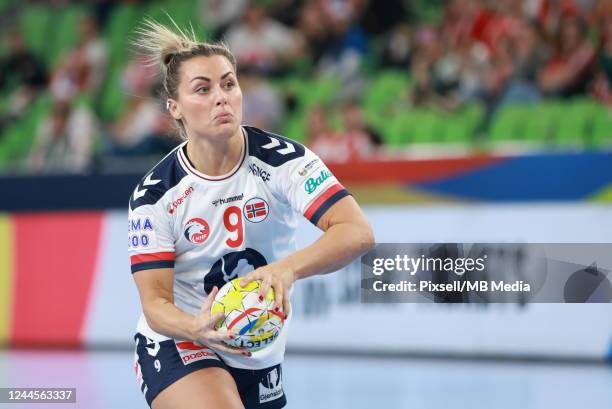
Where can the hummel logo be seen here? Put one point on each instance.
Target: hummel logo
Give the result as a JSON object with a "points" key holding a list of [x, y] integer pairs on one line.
{"points": [[289, 148], [147, 182]]}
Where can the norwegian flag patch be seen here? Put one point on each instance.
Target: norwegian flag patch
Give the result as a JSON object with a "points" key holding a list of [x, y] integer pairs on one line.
{"points": [[256, 210]]}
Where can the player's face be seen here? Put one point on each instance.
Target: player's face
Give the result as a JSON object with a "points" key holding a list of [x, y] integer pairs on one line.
{"points": [[209, 98]]}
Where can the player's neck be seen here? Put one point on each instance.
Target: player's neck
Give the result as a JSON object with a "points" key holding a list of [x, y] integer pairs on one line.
{"points": [[216, 158]]}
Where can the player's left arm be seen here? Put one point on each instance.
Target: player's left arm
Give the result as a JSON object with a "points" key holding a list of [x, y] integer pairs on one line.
{"points": [[347, 235]]}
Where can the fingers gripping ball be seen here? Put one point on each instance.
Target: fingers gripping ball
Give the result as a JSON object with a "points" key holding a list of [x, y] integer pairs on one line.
{"points": [[255, 323]]}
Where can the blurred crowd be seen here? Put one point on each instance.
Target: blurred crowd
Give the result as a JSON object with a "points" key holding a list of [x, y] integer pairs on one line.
{"points": [[492, 52]]}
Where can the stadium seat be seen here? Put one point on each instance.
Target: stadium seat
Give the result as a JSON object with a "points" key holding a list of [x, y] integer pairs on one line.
{"points": [[575, 124], [119, 31], [387, 86], [20, 137], [460, 126], [65, 28], [541, 121], [34, 23], [508, 123], [602, 127], [112, 98]]}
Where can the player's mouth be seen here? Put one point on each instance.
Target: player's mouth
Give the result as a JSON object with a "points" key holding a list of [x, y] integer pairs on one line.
{"points": [[223, 117]]}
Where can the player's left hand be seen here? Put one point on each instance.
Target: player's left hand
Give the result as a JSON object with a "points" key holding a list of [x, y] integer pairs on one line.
{"points": [[276, 275]]}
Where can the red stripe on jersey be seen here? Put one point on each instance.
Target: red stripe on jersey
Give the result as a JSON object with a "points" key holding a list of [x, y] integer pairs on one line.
{"points": [[143, 258], [190, 346], [318, 202]]}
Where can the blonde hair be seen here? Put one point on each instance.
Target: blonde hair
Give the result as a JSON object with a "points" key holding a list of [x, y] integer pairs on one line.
{"points": [[167, 49]]}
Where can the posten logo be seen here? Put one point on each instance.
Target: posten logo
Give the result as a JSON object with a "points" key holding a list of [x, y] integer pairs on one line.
{"points": [[313, 183]]}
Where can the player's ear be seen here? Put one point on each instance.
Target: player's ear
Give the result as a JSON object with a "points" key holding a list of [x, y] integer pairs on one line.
{"points": [[174, 109]]}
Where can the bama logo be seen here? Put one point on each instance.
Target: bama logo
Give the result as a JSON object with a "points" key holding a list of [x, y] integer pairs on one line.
{"points": [[271, 386], [259, 172], [197, 230], [140, 224], [191, 352], [176, 203], [313, 183]]}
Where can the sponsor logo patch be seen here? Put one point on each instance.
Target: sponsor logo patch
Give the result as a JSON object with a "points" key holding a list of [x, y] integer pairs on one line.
{"points": [[141, 233], [259, 172], [256, 210], [271, 386], [313, 183], [191, 352], [176, 203], [226, 200], [197, 230], [304, 171]]}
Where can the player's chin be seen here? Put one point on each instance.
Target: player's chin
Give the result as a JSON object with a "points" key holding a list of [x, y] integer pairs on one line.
{"points": [[224, 130]]}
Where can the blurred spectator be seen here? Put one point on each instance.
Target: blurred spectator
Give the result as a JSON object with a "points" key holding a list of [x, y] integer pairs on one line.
{"points": [[83, 69], [398, 48], [142, 128], [22, 76], [314, 32], [376, 17], [602, 84], [528, 55], [65, 139], [338, 147], [353, 124], [218, 15], [436, 74], [260, 41], [262, 104], [346, 42], [568, 71]]}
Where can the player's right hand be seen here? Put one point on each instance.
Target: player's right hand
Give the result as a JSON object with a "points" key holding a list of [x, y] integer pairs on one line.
{"points": [[205, 332]]}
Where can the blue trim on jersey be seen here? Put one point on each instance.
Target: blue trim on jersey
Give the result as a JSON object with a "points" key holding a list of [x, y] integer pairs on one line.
{"points": [[327, 204], [169, 171], [279, 148], [150, 265], [610, 353]]}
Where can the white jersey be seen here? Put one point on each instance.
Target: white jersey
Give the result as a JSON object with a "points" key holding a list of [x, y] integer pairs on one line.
{"points": [[214, 229]]}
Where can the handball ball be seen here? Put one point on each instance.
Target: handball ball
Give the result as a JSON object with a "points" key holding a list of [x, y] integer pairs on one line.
{"points": [[254, 323]]}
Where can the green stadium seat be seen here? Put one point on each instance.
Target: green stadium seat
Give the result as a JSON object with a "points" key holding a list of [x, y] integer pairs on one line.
{"points": [[427, 126], [18, 141], [461, 126], [318, 91], [112, 98], [541, 121], [387, 86], [294, 127], [34, 23], [508, 123], [602, 127], [66, 26], [119, 31], [576, 122], [396, 132]]}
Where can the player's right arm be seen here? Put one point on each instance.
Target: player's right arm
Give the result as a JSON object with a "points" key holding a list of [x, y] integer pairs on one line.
{"points": [[151, 248], [156, 297]]}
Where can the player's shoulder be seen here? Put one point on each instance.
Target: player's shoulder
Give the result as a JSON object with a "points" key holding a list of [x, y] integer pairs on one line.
{"points": [[164, 176], [272, 149]]}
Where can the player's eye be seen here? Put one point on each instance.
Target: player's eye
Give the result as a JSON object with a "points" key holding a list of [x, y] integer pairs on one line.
{"points": [[202, 90], [230, 84]]}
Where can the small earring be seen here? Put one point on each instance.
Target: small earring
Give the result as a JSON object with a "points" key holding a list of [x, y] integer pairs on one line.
{"points": [[168, 105]]}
